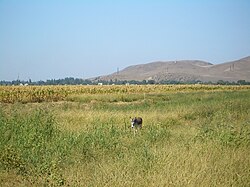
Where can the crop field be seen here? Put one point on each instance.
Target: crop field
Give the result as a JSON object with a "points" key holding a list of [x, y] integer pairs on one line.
{"points": [[192, 135]]}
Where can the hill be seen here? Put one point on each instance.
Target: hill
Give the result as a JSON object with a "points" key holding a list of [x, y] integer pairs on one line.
{"points": [[184, 71]]}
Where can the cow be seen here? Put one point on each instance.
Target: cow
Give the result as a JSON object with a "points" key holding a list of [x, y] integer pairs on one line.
{"points": [[136, 123]]}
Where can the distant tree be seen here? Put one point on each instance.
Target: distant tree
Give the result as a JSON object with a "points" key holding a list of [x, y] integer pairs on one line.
{"points": [[241, 82], [151, 81]]}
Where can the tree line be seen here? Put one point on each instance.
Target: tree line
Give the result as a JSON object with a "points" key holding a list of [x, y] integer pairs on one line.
{"points": [[79, 81]]}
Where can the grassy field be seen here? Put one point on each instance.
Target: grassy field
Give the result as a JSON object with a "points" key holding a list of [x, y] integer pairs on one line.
{"points": [[192, 135]]}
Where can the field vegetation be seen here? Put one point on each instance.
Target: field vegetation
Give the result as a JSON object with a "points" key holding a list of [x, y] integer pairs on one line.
{"points": [[192, 135]]}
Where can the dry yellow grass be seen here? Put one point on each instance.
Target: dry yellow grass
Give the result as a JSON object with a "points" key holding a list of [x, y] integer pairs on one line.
{"points": [[189, 138]]}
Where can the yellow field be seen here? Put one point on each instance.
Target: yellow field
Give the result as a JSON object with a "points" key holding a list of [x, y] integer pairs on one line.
{"points": [[24, 94], [192, 135]]}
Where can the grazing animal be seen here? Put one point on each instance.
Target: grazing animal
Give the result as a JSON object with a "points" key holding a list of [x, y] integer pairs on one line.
{"points": [[136, 123]]}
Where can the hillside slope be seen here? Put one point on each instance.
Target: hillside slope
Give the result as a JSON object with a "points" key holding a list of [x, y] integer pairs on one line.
{"points": [[185, 70]]}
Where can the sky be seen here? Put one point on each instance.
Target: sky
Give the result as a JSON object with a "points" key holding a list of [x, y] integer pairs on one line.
{"points": [[52, 39]]}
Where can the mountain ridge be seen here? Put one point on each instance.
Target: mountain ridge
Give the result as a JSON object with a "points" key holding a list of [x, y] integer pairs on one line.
{"points": [[184, 71]]}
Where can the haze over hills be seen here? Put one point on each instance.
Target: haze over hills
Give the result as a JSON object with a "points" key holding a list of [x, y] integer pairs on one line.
{"points": [[184, 71]]}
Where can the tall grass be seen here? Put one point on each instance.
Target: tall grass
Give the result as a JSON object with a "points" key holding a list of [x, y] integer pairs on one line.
{"points": [[187, 139], [32, 146]]}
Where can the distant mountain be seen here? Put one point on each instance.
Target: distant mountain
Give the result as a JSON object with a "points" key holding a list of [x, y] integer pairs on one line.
{"points": [[184, 71]]}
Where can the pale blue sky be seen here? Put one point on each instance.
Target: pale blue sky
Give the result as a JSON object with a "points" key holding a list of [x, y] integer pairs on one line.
{"points": [[68, 38]]}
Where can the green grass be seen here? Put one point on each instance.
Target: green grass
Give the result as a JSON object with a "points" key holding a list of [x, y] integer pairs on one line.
{"points": [[192, 138]]}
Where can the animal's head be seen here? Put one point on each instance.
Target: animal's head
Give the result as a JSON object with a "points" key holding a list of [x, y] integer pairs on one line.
{"points": [[132, 120]]}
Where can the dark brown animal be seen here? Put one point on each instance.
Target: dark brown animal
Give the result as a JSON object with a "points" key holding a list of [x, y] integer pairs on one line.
{"points": [[136, 122]]}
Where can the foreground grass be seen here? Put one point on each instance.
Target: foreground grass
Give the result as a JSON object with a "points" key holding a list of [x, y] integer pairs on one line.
{"points": [[194, 138]]}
